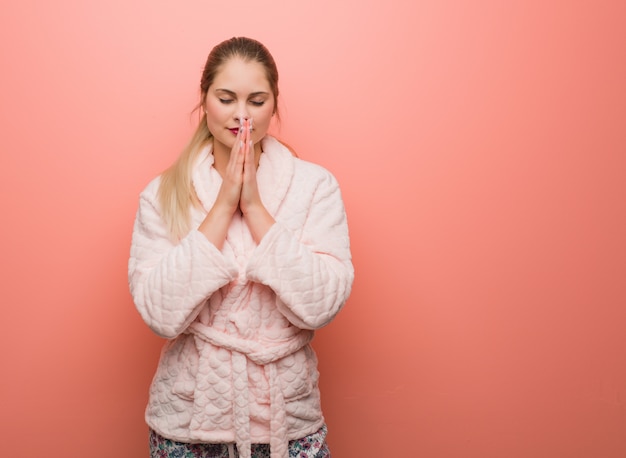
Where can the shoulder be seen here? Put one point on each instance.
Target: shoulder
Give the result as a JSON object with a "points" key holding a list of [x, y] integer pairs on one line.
{"points": [[151, 191], [314, 174], [304, 171], [312, 168]]}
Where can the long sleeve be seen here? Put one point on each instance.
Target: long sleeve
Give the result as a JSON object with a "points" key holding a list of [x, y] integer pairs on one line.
{"points": [[170, 282], [310, 271]]}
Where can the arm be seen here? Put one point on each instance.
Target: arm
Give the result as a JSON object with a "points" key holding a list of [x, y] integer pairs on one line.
{"points": [[312, 275], [170, 283]]}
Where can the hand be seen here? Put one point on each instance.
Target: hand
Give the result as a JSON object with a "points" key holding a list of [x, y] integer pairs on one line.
{"points": [[257, 217], [238, 190], [250, 197], [232, 179]]}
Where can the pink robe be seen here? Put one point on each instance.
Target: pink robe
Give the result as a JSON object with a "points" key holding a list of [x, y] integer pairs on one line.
{"points": [[238, 366]]}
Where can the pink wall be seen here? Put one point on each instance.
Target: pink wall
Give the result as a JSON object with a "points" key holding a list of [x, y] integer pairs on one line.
{"points": [[482, 151]]}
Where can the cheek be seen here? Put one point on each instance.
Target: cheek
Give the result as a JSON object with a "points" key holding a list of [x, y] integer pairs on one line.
{"points": [[261, 125], [214, 118], [212, 113], [265, 117]]}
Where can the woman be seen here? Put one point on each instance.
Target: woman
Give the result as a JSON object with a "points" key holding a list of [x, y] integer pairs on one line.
{"points": [[239, 252]]}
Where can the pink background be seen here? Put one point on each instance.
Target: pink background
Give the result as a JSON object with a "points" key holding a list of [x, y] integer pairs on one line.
{"points": [[481, 148]]}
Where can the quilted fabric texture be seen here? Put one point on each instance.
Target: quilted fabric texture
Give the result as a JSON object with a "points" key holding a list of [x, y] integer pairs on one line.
{"points": [[237, 366]]}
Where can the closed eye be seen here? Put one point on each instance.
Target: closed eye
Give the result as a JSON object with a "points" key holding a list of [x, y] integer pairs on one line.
{"points": [[226, 101]]}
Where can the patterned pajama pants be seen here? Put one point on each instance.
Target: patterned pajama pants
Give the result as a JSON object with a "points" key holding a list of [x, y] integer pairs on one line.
{"points": [[312, 446]]}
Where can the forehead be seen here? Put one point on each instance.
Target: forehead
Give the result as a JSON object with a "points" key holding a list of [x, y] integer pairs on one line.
{"points": [[238, 75]]}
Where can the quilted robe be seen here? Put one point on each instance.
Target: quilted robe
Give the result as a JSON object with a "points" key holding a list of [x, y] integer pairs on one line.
{"points": [[237, 366]]}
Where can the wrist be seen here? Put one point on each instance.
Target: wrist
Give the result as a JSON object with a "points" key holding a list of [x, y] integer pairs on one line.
{"points": [[224, 210], [253, 210]]}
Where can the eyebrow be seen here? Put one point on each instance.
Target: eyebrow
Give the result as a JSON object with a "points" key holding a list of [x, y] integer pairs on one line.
{"points": [[253, 94]]}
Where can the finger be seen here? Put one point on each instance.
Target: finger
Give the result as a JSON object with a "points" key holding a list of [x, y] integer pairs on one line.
{"points": [[235, 161], [246, 131], [246, 139], [249, 143], [249, 165]]}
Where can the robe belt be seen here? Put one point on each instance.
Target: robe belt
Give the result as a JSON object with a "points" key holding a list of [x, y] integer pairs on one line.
{"points": [[242, 350]]}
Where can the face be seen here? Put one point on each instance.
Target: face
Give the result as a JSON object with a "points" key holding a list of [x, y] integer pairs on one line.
{"points": [[240, 91]]}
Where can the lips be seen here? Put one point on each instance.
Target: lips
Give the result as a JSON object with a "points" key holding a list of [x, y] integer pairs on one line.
{"points": [[235, 130]]}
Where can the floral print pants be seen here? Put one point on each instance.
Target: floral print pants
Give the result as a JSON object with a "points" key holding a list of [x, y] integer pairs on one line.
{"points": [[312, 446]]}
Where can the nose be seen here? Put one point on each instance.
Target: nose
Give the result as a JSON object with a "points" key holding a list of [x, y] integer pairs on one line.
{"points": [[241, 113]]}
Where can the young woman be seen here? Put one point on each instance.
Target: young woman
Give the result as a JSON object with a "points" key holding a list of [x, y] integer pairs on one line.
{"points": [[240, 250]]}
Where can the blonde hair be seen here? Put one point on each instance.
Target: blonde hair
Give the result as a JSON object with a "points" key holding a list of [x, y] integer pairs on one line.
{"points": [[176, 192]]}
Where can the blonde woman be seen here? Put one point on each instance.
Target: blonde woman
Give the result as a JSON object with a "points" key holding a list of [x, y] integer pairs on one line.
{"points": [[240, 251]]}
